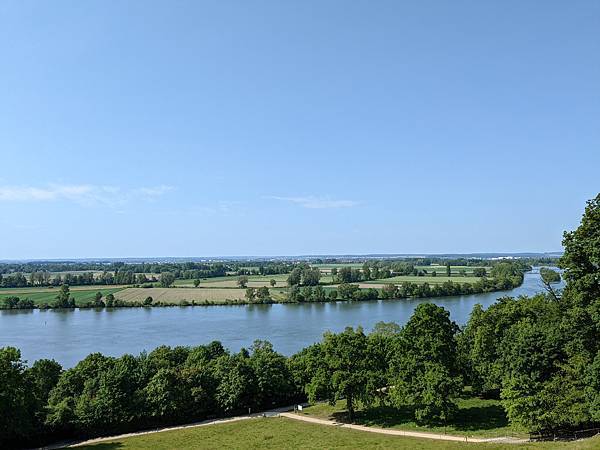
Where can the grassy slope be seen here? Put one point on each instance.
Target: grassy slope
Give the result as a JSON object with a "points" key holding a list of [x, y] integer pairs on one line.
{"points": [[475, 417], [280, 433]]}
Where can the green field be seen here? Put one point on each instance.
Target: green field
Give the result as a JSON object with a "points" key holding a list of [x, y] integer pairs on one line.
{"points": [[425, 279], [475, 417], [281, 433], [45, 295], [231, 281]]}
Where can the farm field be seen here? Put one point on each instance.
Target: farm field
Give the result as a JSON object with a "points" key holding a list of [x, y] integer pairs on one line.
{"points": [[254, 281], [232, 280], [455, 270], [177, 295], [420, 280], [55, 289], [282, 433], [81, 294]]}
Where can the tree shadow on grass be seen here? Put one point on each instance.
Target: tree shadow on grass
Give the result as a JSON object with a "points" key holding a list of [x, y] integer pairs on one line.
{"points": [[466, 419], [378, 416], [480, 418]]}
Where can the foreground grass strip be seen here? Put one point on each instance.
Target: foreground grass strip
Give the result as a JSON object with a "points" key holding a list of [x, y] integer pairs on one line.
{"points": [[281, 433]]}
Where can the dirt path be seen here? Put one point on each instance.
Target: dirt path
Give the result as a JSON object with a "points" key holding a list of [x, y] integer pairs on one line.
{"points": [[441, 437]]}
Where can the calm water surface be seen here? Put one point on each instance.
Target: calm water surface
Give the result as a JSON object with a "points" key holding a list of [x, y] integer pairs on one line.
{"points": [[69, 336]]}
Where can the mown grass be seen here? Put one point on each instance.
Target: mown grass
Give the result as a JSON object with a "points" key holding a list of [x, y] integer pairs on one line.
{"points": [[281, 433], [475, 417], [45, 295]]}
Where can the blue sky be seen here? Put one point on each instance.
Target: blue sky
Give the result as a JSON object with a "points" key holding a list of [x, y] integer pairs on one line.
{"points": [[199, 128]]}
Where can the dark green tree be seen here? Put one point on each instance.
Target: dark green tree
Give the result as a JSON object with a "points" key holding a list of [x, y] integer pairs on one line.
{"points": [[167, 279], [425, 365], [64, 299], [348, 370]]}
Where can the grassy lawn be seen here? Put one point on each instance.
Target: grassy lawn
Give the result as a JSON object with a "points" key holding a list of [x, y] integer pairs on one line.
{"points": [[476, 417], [45, 295], [281, 433]]}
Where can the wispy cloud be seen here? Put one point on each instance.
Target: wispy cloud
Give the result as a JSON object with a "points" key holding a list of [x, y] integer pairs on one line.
{"points": [[316, 202], [84, 194], [155, 191]]}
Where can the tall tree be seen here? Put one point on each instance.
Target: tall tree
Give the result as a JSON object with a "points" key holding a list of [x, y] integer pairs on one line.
{"points": [[348, 369], [425, 365]]}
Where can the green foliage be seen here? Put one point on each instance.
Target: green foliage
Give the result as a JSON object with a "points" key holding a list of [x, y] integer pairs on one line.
{"points": [[479, 272], [581, 258], [23, 397], [64, 299], [250, 294], [347, 369], [242, 281], [167, 279], [425, 370], [549, 276]]}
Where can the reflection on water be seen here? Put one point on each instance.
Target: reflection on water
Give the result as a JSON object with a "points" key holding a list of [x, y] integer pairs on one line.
{"points": [[69, 336]]}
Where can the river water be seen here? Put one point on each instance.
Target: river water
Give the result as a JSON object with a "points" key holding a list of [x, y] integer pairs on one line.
{"points": [[69, 335]]}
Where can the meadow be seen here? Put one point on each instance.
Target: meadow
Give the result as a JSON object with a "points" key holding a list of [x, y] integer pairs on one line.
{"points": [[283, 433], [81, 294]]}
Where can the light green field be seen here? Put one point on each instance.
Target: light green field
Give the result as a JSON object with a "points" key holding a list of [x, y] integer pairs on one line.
{"points": [[254, 281], [476, 417], [81, 294], [425, 279], [325, 269], [282, 433], [231, 281], [454, 270]]}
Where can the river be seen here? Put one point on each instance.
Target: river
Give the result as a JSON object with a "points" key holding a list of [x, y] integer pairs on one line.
{"points": [[69, 335]]}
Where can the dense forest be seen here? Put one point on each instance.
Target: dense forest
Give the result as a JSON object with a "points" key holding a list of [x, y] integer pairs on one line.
{"points": [[540, 355]]}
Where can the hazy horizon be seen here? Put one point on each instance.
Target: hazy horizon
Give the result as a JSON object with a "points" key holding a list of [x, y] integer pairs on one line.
{"points": [[475, 255]]}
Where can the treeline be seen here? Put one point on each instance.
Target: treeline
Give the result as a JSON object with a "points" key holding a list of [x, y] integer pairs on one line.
{"points": [[102, 394], [539, 355], [350, 291], [503, 269], [269, 268], [395, 264], [83, 266], [41, 274]]}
